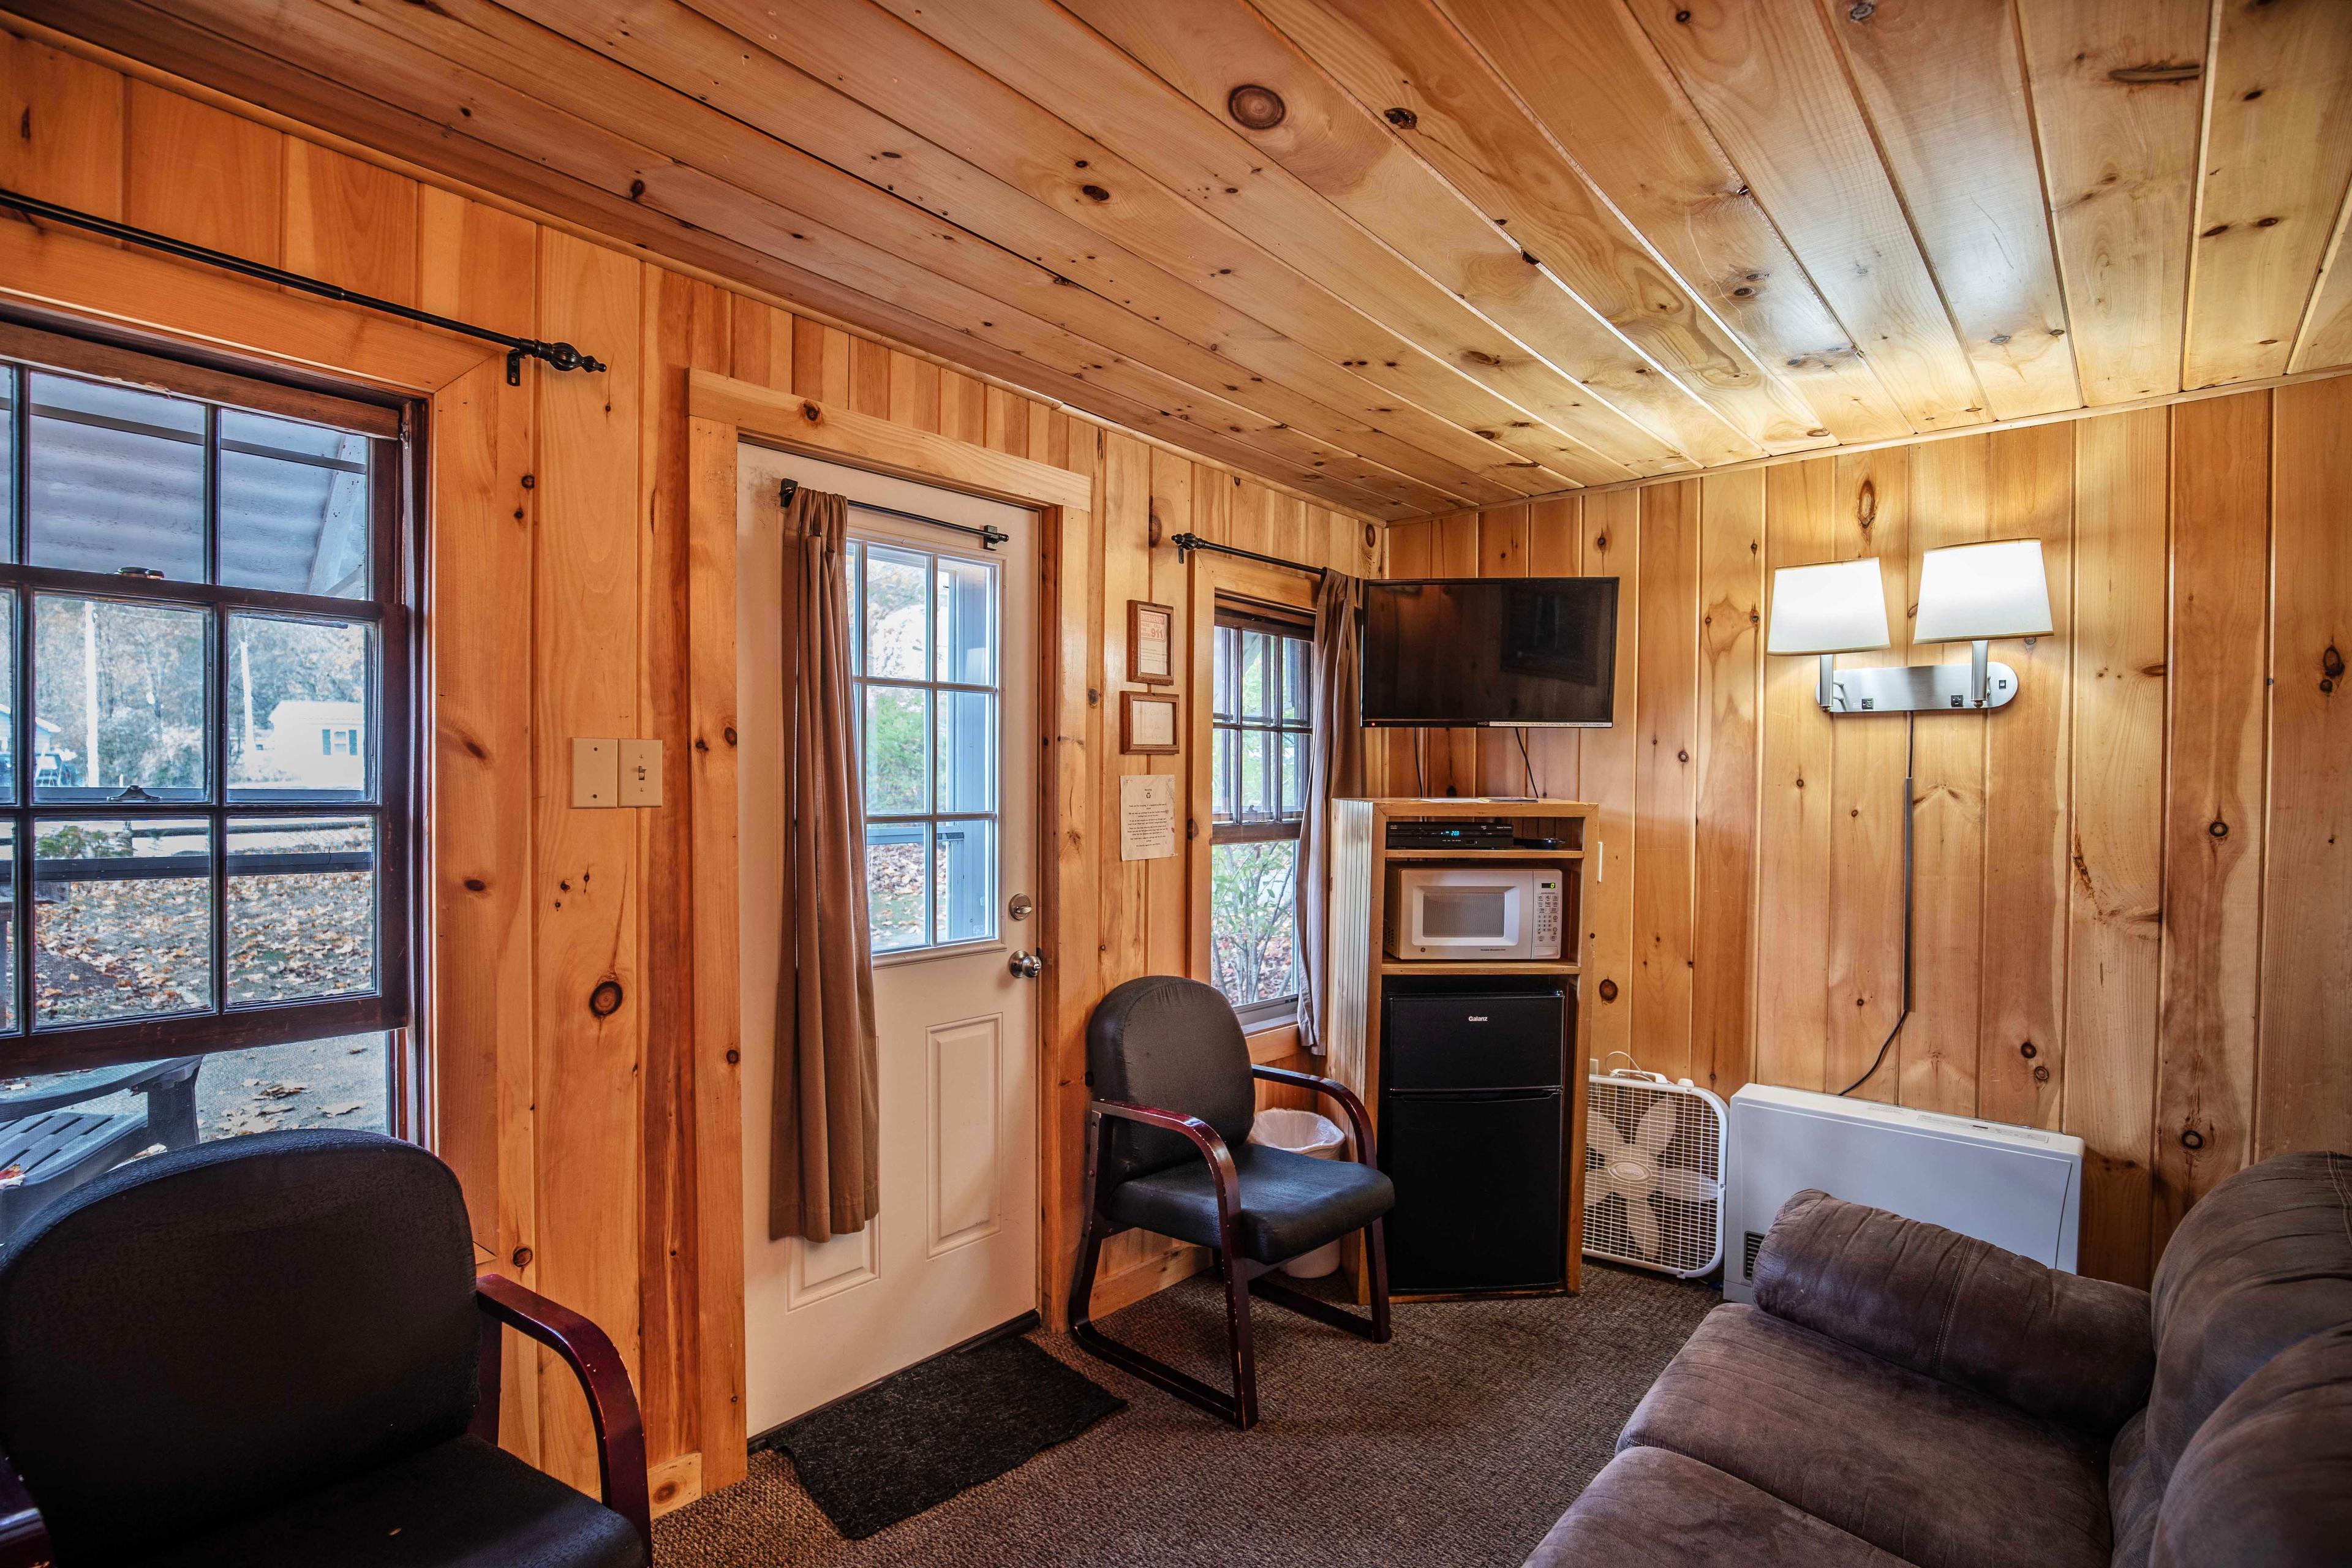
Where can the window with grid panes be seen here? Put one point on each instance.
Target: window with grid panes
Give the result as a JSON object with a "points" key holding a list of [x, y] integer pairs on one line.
{"points": [[204, 756], [1260, 720]]}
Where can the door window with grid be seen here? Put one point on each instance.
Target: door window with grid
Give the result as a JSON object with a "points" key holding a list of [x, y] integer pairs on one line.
{"points": [[203, 760], [926, 666], [1260, 718]]}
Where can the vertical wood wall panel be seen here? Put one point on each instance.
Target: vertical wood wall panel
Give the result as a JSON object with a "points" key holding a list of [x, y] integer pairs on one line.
{"points": [[2217, 676], [2303, 1088], [1606, 767], [1665, 775], [1730, 636], [2116, 901]]}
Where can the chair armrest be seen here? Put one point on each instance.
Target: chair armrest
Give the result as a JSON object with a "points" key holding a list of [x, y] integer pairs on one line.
{"points": [[2076, 1351], [23, 1534], [589, 1351], [1359, 1121]]}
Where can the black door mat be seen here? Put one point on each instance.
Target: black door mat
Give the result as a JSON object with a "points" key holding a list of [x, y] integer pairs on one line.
{"points": [[920, 1436]]}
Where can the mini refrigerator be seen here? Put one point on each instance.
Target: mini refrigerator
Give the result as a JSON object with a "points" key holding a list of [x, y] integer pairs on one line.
{"points": [[1473, 1132]]}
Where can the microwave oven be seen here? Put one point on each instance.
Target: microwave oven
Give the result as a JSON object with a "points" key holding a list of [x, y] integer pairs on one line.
{"points": [[1437, 913]]}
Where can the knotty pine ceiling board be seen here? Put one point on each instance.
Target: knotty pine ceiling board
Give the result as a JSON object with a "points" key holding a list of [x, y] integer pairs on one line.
{"points": [[1453, 252]]}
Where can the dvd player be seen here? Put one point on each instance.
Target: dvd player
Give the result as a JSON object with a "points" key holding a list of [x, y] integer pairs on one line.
{"points": [[1458, 835]]}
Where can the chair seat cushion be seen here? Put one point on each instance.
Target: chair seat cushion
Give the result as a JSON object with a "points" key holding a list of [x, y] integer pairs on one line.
{"points": [[1935, 1474], [1290, 1203], [459, 1504], [1652, 1508]]}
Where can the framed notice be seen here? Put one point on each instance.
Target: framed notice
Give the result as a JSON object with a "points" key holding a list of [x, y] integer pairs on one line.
{"points": [[1147, 724], [1150, 644]]}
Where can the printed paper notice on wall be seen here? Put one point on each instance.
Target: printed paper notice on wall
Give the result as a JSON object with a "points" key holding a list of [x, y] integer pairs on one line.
{"points": [[1147, 816]]}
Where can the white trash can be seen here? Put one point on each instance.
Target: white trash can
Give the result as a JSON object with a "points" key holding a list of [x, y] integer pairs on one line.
{"points": [[1318, 1137]]}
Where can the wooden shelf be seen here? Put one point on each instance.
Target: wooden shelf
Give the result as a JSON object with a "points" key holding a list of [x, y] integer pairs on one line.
{"points": [[1477, 966], [1485, 854]]}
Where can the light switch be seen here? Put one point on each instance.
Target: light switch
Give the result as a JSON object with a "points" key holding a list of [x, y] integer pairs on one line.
{"points": [[595, 773], [641, 765]]}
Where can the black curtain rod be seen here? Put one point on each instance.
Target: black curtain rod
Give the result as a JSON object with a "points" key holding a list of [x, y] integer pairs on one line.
{"points": [[1186, 543], [561, 356], [990, 538]]}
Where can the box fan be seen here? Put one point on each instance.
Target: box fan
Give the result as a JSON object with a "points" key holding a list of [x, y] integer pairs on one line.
{"points": [[1653, 1162]]}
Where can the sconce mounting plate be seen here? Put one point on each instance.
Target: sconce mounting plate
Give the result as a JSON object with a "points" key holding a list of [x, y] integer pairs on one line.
{"points": [[1917, 688]]}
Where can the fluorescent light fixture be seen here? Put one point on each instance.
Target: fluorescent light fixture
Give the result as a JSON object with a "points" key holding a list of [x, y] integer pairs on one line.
{"points": [[1971, 592], [1838, 606]]}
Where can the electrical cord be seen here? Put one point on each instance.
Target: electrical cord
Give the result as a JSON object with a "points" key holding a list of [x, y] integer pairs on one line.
{"points": [[1420, 774], [1528, 762], [1910, 756]]}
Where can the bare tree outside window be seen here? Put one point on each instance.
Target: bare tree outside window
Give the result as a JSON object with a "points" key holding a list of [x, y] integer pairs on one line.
{"points": [[1260, 722]]}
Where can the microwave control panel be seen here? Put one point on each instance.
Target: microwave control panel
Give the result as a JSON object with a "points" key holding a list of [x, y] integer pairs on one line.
{"points": [[1546, 921]]}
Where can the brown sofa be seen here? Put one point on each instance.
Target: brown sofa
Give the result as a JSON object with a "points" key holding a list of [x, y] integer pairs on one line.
{"points": [[1899, 1393]]}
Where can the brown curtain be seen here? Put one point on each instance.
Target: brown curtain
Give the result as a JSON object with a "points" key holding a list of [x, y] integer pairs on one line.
{"points": [[823, 1180], [1335, 770]]}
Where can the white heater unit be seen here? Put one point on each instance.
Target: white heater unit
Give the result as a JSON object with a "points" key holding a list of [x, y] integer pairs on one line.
{"points": [[2016, 1187], [1653, 1173]]}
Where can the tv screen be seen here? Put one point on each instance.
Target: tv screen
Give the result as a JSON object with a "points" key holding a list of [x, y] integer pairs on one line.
{"points": [[1461, 651]]}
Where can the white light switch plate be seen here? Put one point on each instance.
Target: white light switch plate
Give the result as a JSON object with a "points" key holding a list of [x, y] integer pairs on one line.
{"points": [[641, 770], [595, 773]]}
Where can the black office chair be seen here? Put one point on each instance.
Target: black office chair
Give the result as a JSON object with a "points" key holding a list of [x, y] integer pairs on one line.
{"points": [[1172, 1075], [273, 1350]]}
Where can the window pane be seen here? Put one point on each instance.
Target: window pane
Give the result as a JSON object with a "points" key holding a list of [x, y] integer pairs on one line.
{"points": [[121, 918], [297, 711], [895, 607], [118, 479], [1251, 934], [293, 506], [1298, 685], [301, 908], [7, 462], [967, 751], [1257, 676], [1225, 653], [898, 855], [965, 896], [343, 1082], [121, 695], [1294, 774], [9, 693], [1221, 781], [967, 630], [8, 1021], [1258, 774], [897, 749]]}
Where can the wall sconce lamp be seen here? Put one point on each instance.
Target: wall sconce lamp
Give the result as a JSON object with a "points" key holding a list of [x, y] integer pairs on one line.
{"points": [[1967, 592]]}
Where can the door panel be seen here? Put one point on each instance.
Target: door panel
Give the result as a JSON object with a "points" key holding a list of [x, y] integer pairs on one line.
{"points": [[946, 669]]}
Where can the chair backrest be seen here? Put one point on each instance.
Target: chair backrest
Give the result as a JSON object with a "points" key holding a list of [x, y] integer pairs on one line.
{"points": [[2262, 1262], [201, 1334], [1172, 1045]]}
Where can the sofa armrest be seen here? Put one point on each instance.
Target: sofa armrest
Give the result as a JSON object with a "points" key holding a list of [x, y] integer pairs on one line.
{"points": [[2075, 1351]]}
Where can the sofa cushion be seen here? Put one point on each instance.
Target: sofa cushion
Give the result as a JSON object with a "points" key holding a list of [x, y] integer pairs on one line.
{"points": [[2052, 1344], [1652, 1508], [1935, 1474], [462, 1504], [2131, 1493], [2267, 1480], [2263, 1261]]}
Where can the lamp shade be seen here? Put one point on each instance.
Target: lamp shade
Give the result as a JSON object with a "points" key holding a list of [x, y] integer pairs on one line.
{"points": [[1971, 592], [1839, 606]]}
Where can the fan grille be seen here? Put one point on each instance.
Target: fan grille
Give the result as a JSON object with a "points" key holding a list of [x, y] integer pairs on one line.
{"points": [[1688, 1232]]}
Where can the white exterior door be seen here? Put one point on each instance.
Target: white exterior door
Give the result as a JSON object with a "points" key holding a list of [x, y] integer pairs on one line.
{"points": [[946, 671]]}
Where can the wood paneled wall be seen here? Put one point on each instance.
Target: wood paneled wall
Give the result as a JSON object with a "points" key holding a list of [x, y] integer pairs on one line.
{"points": [[575, 1135], [2133, 883]]}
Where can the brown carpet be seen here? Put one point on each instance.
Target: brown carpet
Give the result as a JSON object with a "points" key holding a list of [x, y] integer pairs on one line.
{"points": [[1458, 1443]]}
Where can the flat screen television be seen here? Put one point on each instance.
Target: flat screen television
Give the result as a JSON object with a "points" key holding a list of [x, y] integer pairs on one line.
{"points": [[1451, 652]]}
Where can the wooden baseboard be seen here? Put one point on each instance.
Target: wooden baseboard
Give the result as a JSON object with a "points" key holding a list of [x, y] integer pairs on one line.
{"points": [[673, 1483], [1127, 1288]]}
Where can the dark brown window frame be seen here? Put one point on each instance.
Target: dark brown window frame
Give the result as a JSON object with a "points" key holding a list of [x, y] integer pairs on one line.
{"points": [[1282, 826], [394, 480]]}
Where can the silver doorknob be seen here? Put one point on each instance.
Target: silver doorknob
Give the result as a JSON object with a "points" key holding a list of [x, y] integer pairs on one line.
{"points": [[1026, 965]]}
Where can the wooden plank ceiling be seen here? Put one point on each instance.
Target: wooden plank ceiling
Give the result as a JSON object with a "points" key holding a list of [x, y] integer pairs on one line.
{"points": [[1443, 252]]}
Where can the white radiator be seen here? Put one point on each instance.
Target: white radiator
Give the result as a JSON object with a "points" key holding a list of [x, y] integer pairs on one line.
{"points": [[2013, 1186]]}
